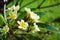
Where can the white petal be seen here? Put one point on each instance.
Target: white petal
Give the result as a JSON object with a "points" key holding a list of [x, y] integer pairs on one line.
{"points": [[36, 27], [13, 6], [22, 20], [19, 27], [18, 6], [34, 23], [24, 28], [27, 9], [26, 24], [18, 22]]}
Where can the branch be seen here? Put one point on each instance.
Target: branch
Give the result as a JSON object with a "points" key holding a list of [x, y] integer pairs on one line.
{"points": [[47, 6]]}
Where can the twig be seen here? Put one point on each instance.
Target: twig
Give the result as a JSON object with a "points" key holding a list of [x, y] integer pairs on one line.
{"points": [[5, 11]]}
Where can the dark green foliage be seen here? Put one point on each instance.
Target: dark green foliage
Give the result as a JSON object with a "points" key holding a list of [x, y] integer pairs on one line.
{"points": [[49, 12]]}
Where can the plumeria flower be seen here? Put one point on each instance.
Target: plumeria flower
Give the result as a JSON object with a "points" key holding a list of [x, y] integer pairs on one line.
{"points": [[35, 28], [16, 8], [13, 15], [28, 10], [5, 29], [22, 25], [34, 17]]}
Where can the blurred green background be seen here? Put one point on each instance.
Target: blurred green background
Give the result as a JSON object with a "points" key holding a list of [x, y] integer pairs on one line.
{"points": [[49, 11]]}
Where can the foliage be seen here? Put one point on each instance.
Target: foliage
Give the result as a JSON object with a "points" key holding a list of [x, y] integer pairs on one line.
{"points": [[30, 20]]}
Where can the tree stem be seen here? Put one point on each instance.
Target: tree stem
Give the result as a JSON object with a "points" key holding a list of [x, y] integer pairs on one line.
{"points": [[5, 12]]}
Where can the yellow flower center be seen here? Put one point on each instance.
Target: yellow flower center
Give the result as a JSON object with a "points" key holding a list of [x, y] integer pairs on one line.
{"points": [[13, 16], [5, 30], [22, 24]]}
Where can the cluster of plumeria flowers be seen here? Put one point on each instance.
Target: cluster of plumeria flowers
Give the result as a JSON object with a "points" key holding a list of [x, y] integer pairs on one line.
{"points": [[22, 24]]}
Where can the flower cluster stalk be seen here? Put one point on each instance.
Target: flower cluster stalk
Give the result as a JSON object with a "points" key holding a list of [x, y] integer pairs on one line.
{"points": [[5, 11]]}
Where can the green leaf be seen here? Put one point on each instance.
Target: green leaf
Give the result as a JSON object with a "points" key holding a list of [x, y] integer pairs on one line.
{"points": [[40, 13], [5, 36], [10, 4], [3, 19], [30, 4], [28, 37], [21, 15], [13, 2], [0, 29], [48, 27]]}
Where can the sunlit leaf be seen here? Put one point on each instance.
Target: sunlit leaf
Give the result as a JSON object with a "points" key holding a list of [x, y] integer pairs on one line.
{"points": [[3, 19]]}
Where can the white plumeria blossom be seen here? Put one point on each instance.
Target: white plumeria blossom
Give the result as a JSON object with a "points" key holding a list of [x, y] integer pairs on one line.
{"points": [[16, 8], [28, 10], [34, 16], [13, 15], [13, 11], [22, 25], [35, 28], [5, 29]]}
